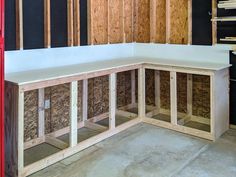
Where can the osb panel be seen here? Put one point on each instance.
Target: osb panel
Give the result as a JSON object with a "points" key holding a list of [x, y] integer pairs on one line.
{"points": [[80, 100], [128, 20], [105, 96], [142, 20], [160, 21], [123, 88], [179, 21], [98, 93], [201, 96], [165, 89], [47, 112], [182, 92], [31, 115], [115, 14], [90, 98], [60, 105], [99, 21], [150, 87]]}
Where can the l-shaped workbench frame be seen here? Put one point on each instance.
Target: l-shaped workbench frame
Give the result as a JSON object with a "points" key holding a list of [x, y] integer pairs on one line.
{"points": [[18, 83]]}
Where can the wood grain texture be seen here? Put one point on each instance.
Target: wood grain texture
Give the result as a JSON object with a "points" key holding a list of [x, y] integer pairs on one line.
{"points": [[128, 20], [178, 22], [182, 92], [98, 22], [165, 89], [115, 22], [11, 129], [150, 87], [142, 21], [160, 21]]}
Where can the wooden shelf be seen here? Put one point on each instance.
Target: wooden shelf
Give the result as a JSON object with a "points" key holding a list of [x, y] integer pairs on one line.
{"points": [[231, 4], [229, 39], [224, 19]]}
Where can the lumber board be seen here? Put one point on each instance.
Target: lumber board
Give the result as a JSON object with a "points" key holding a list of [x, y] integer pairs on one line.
{"points": [[128, 9]]}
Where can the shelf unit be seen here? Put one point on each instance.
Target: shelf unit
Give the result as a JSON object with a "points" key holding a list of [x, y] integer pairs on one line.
{"points": [[227, 7]]}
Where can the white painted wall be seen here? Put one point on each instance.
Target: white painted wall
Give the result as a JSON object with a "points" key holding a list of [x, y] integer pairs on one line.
{"points": [[17, 61]]}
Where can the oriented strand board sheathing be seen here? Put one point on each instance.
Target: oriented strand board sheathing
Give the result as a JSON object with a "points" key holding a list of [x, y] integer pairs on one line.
{"points": [[99, 21], [105, 95], [165, 89], [160, 21], [115, 16], [47, 112], [201, 96], [142, 21], [97, 108], [128, 20], [80, 100], [90, 97], [178, 21], [31, 115], [182, 92], [150, 87]]}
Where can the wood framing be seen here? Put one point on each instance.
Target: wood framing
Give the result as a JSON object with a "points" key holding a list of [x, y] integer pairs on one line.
{"points": [[41, 117], [76, 24], [112, 101], [173, 97], [141, 93], [85, 100], [214, 23], [70, 22], [47, 24], [19, 24]]}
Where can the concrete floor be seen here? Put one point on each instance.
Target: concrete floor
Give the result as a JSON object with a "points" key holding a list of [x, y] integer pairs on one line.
{"points": [[148, 151]]}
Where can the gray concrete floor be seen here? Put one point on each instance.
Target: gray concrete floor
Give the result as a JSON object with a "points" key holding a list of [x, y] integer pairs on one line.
{"points": [[148, 151]]}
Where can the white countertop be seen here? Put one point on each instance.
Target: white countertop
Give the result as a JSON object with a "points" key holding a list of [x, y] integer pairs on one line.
{"points": [[34, 76]]}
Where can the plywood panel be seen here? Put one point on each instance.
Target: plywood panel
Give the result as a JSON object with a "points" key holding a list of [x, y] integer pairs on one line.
{"points": [[150, 87], [115, 27], [142, 21], [182, 92], [99, 21], [165, 89], [178, 21], [160, 21], [128, 20]]}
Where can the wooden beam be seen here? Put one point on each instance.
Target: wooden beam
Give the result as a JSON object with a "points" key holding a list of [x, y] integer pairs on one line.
{"points": [[70, 22], [95, 126], [153, 19], [85, 100], [173, 97], [126, 114], [141, 93], [133, 87], [47, 24], [190, 22], [20, 131], [56, 142], [76, 22], [214, 23], [112, 101], [34, 142], [41, 117], [73, 113], [19, 25], [168, 22], [189, 94]]}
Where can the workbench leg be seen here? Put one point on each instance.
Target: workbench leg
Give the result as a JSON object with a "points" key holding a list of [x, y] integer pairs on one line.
{"points": [[141, 93], [157, 91], [173, 97], [20, 132], [133, 87], [41, 113], [212, 106], [73, 113], [85, 100], [189, 94], [112, 101]]}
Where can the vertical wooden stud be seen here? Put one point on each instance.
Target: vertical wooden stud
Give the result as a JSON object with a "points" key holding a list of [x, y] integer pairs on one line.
{"points": [[212, 107], [76, 22], [141, 93], [112, 101], [173, 97], [133, 87], [85, 100], [168, 21], [70, 21], [19, 24], [189, 94], [153, 19], [47, 24], [157, 90], [214, 23], [189, 22], [20, 131], [73, 113], [41, 118]]}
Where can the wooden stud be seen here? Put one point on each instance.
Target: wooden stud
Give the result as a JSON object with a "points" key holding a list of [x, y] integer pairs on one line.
{"points": [[85, 100], [41, 117], [173, 95], [76, 22], [189, 94], [190, 22], [141, 93], [56, 142], [20, 132], [70, 22], [157, 91], [94, 126], [47, 24], [153, 19], [90, 22], [19, 24], [73, 113], [112, 101], [133, 87], [168, 22], [214, 23]]}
